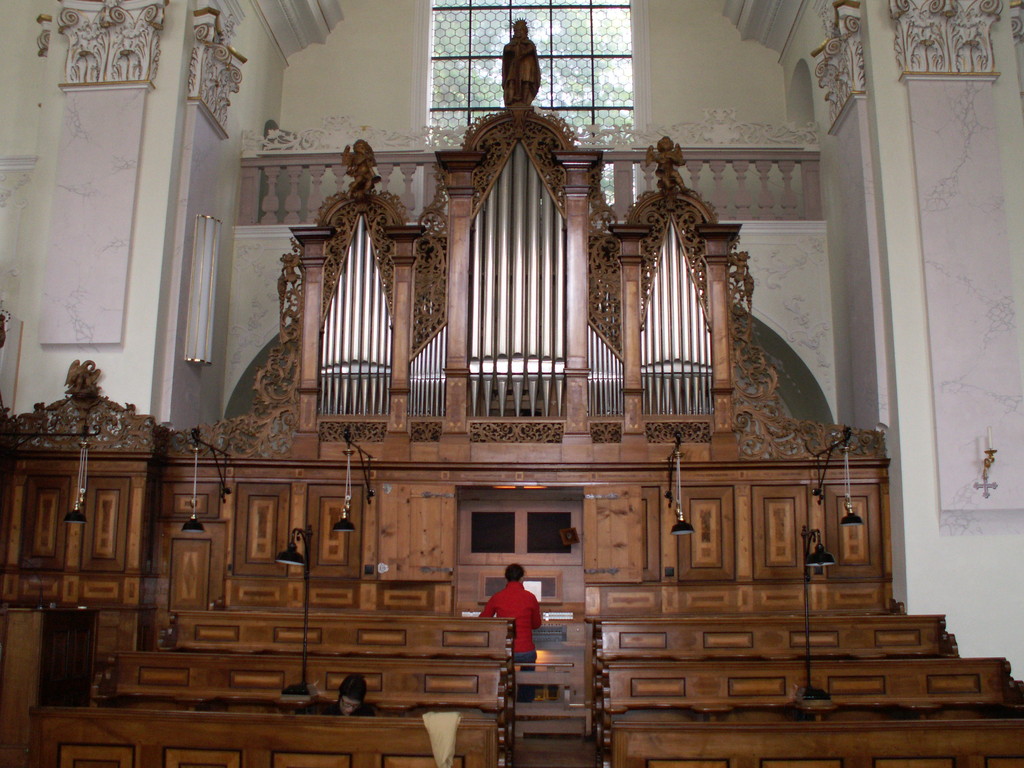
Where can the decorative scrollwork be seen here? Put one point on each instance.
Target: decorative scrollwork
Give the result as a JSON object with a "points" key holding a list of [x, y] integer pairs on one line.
{"points": [[425, 431], [666, 431], [604, 283], [212, 74], [115, 41], [516, 432], [380, 210], [606, 431], [430, 305], [359, 431], [840, 70], [945, 36]]}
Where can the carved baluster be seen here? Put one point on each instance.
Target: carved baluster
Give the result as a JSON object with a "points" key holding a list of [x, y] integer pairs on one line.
{"points": [[249, 196], [339, 177], [409, 196], [810, 178], [293, 202], [719, 197], [316, 192], [271, 201], [648, 176], [694, 167], [384, 171], [789, 198], [765, 199], [743, 198]]}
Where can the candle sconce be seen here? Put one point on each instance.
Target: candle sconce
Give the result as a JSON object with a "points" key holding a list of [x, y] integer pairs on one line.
{"points": [[985, 486]]}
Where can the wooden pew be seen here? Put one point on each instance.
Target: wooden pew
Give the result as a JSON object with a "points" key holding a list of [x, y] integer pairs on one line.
{"points": [[718, 688], [771, 637], [334, 633], [132, 738], [992, 743], [226, 681]]}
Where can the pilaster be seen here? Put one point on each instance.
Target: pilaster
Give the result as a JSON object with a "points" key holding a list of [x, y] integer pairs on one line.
{"points": [[631, 259]]}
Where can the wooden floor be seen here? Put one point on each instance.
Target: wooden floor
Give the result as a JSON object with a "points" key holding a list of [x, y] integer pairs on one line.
{"points": [[545, 751]]}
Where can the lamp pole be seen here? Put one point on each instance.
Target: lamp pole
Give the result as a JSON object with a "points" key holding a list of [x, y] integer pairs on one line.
{"points": [[291, 556], [819, 557]]}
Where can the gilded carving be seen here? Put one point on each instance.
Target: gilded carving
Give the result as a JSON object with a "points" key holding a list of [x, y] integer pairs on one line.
{"points": [[840, 69], [44, 20], [425, 431], [212, 74], [666, 431], [945, 36], [343, 212], [516, 432], [606, 431], [358, 431], [113, 41]]}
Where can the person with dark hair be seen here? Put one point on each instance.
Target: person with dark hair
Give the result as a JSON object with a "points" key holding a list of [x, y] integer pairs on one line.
{"points": [[514, 602], [351, 698]]}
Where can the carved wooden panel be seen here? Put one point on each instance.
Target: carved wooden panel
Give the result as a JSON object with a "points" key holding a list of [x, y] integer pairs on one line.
{"points": [[202, 758], [177, 498], [310, 760], [801, 763], [412, 761], [710, 552], [779, 512], [417, 532], [95, 756], [261, 528], [47, 500], [189, 574], [613, 540], [106, 527], [858, 549], [337, 554], [916, 762]]}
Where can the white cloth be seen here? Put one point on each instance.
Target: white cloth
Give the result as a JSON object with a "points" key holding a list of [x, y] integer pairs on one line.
{"points": [[442, 727]]}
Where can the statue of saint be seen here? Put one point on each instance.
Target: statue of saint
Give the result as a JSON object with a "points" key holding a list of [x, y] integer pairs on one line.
{"points": [[668, 156], [520, 69], [360, 162]]}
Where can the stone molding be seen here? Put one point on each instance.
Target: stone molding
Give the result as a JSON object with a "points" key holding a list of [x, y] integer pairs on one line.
{"points": [[840, 68], [212, 74], [44, 20], [945, 37], [114, 41], [719, 128]]}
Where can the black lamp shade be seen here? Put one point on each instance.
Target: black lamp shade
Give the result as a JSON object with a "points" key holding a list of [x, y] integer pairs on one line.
{"points": [[193, 525], [851, 518], [74, 516], [290, 556], [820, 557], [681, 528], [344, 525]]}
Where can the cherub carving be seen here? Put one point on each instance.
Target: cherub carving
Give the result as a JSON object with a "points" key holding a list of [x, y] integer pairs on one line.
{"points": [[82, 380], [360, 161], [668, 156]]}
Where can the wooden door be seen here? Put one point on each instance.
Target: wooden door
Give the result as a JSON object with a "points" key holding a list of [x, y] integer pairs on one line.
{"points": [[417, 532], [613, 534], [65, 672]]}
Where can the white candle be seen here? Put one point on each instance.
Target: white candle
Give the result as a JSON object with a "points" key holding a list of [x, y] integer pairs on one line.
{"points": [[990, 438]]}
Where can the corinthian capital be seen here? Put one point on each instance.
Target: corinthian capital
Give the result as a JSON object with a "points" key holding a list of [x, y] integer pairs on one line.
{"points": [[840, 68], [945, 36], [212, 74], [111, 41]]}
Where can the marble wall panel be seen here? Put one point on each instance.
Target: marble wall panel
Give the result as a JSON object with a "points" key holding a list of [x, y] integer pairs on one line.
{"points": [[91, 222], [976, 369]]}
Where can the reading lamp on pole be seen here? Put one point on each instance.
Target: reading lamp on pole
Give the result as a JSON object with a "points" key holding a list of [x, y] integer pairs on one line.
{"points": [[291, 556], [681, 527], [818, 558]]}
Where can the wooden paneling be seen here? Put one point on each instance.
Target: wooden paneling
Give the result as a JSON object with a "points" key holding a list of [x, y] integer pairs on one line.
{"points": [[858, 549], [336, 554], [417, 532], [261, 528], [709, 554], [47, 500], [613, 540], [779, 512], [189, 574], [177, 498], [110, 738], [896, 744], [106, 527]]}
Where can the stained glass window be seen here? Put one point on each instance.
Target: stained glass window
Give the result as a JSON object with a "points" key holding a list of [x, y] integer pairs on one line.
{"points": [[585, 52]]}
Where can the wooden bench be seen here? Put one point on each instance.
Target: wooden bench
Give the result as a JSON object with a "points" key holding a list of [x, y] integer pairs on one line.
{"points": [[346, 634], [227, 681], [993, 743], [135, 737]]}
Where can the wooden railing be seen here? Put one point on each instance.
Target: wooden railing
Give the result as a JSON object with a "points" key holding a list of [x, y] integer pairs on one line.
{"points": [[742, 184]]}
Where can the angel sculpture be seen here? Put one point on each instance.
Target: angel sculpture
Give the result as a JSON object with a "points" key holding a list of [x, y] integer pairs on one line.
{"points": [[668, 156], [361, 162]]}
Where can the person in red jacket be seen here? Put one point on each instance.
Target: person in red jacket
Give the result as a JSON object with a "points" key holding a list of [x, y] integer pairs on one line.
{"points": [[514, 602]]}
